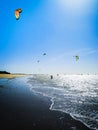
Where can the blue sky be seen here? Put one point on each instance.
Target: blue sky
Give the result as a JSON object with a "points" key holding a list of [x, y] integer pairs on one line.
{"points": [[60, 28]]}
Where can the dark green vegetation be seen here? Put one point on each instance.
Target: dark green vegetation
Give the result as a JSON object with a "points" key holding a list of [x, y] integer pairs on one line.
{"points": [[4, 72]]}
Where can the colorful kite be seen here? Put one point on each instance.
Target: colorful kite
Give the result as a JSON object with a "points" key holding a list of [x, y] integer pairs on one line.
{"points": [[77, 57], [17, 13]]}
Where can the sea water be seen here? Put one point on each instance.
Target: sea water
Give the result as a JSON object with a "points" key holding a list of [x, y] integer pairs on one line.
{"points": [[73, 94]]}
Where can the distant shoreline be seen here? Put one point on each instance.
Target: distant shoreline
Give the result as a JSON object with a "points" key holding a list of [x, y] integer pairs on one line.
{"points": [[12, 75], [15, 75]]}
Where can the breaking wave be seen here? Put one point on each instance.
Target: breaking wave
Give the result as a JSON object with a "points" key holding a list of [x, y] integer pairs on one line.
{"points": [[73, 94]]}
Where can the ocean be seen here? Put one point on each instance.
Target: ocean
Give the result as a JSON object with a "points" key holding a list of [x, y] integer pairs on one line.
{"points": [[76, 95]]}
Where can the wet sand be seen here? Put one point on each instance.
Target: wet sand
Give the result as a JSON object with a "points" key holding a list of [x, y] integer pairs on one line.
{"points": [[21, 109]]}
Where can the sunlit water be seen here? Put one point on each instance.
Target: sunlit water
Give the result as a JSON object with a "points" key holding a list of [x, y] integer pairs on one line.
{"points": [[73, 94]]}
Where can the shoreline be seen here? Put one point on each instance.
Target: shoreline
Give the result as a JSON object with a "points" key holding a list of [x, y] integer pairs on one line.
{"points": [[10, 76], [52, 103], [51, 109], [23, 109]]}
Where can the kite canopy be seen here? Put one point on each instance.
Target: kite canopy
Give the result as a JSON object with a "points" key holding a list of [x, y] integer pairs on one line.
{"points": [[44, 54], [17, 13], [77, 57]]}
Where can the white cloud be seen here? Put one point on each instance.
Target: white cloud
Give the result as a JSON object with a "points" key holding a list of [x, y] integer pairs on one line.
{"points": [[80, 52], [86, 51]]}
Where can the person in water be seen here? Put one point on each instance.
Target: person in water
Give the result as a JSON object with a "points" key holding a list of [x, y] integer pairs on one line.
{"points": [[51, 76]]}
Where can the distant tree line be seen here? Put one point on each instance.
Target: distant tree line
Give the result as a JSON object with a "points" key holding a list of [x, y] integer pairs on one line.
{"points": [[4, 72]]}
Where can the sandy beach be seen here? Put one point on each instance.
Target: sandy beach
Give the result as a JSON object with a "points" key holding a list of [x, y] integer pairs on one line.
{"points": [[21, 109], [10, 76]]}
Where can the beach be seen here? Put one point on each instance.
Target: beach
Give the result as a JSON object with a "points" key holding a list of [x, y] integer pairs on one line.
{"points": [[22, 109], [10, 76]]}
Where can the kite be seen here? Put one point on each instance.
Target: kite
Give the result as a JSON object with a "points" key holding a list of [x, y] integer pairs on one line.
{"points": [[44, 54], [17, 13], [77, 57]]}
